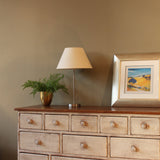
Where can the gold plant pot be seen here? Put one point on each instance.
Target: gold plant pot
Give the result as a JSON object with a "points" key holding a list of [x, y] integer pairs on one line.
{"points": [[46, 98]]}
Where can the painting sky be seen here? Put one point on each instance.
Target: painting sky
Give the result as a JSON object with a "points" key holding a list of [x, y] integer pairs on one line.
{"points": [[137, 72]]}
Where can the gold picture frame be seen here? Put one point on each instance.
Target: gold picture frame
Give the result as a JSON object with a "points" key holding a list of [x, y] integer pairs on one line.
{"points": [[136, 80]]}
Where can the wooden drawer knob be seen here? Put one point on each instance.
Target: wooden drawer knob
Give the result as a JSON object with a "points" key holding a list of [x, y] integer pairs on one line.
{"points": [[38, 142], [83, 145], [113, 124], [144, 125], [83, 123], [55, 122], [134, 148], [30, 121]]}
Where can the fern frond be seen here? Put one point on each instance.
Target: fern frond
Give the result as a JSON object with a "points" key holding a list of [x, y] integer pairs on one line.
{"points": [[49, 85]]}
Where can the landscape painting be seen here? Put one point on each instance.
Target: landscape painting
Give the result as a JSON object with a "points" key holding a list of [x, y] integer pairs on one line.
{"points": [[139, 80]]}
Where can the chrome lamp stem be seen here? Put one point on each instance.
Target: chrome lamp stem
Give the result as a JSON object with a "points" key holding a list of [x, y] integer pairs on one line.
{"points": [[74, 91], [74, 105]]}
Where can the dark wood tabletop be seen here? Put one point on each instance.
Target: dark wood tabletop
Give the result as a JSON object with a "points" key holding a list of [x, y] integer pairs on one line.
{"points": [[91, 109]]}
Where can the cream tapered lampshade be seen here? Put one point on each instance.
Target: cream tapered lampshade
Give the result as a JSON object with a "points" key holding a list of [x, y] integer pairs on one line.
{"points": [[74, 58]]}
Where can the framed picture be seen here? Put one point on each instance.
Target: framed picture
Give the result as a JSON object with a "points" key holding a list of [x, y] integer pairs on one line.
{"points": [[136, 80]]}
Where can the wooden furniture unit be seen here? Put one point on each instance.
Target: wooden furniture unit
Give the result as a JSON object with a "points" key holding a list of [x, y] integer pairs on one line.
{"points": [[88, 133]]}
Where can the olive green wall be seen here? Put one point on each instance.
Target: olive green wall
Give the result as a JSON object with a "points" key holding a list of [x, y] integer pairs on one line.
{"points": [[34, 33]]}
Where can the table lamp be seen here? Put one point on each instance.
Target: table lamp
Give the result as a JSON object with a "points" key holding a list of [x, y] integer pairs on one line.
{"points": [[74, 58]]}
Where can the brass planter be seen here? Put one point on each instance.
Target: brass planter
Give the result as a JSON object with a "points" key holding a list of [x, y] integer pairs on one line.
{"points": [[46, 98]]}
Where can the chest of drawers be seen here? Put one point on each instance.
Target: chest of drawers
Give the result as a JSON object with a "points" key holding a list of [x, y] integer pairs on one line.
{"points": [[88, 133]]}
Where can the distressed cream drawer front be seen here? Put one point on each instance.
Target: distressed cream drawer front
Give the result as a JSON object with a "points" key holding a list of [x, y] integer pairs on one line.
{"points": [[39, 141], [84, 123], [145, 126], [135, 148], [30, 121], [85, 145], [56, 122], [26, 156], [68, 158], [114, 125]]}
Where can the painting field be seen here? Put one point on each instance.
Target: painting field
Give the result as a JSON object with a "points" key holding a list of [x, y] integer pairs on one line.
{"points": [[139, 79]]}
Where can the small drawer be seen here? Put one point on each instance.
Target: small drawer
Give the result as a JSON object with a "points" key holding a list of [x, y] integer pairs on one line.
{"points": [[39, 141], [30, 121], [84, 123], [85, 145], [114, 125], [56, 122], [145, 126], [134, 148], [68, 158], [26, 156]]}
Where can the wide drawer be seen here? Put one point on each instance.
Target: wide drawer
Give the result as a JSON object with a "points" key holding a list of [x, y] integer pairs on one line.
{"points": [[145, 126], [114, 125], [135, 148], [84, 123], [56, 122], [67, 158], [85, 145], [26, 156], [30, 121], [39, 141]]}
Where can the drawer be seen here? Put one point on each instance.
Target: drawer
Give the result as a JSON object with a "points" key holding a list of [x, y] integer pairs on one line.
{"points": [[39, 141], [145, 126], [84, 123], [68, 158], [114, 125], [26, 156], [135, 148], [56, 122], [85, 145], [31, 121]]}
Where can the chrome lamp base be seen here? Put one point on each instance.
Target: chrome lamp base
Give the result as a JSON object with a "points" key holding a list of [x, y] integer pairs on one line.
{"points": [[73, 105]]}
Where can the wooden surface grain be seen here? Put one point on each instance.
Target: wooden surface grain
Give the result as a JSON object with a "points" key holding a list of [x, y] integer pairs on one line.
{"points": [[91, 109]]}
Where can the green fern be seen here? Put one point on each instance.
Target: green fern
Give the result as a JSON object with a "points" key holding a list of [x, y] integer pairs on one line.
{"points": [[46, 85]]}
